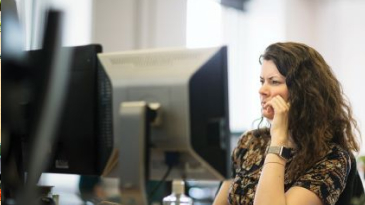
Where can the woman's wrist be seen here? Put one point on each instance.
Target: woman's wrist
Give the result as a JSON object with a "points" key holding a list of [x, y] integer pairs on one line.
{"points": [[279, 139], [279, 163], [283, 143], [272, 157]]}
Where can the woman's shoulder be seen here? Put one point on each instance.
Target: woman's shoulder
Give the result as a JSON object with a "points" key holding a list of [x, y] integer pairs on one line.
{"points": [[328, 177], [250, 150], [338, 153], [337, 158]]}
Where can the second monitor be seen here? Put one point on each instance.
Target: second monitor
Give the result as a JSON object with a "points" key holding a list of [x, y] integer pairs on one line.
{"points": [[191, 86]]}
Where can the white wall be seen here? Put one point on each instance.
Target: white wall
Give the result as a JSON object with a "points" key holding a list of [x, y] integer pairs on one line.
{"points": [[135, 24], [114, 24]]}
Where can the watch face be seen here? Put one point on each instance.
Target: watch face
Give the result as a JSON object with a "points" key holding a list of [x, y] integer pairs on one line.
{"points": [[285, 152]]}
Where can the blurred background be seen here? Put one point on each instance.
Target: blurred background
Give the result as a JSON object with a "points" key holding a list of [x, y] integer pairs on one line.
{"points": [[336, 28]]}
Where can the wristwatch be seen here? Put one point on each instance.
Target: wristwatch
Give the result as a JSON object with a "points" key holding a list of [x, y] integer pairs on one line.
{"points": [[281, 151]]}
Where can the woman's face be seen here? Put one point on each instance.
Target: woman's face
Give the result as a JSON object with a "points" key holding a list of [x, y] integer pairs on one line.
{"points": [[272, 84]]}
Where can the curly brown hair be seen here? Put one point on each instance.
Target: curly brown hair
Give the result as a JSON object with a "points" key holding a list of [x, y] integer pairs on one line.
{"points": [[319, 112]]}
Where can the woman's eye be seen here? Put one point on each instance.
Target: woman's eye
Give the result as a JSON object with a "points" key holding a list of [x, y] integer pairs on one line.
{"points": [[261, 82], [275, 82]]}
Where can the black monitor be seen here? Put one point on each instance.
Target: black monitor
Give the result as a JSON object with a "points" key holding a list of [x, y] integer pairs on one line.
{"points": [[83, 138], [35, 86]]}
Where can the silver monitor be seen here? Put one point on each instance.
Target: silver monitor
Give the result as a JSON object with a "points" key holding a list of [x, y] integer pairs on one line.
{"points": [[190, 89]]}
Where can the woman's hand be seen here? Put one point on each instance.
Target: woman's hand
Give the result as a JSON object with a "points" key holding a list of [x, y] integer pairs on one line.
{"points": [[279, 124]]}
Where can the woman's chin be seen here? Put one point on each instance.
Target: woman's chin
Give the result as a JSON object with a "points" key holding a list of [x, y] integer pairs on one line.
{"points": [[268, 116]]}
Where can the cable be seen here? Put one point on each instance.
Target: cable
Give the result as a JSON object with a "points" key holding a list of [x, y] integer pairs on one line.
{"points": [[171, 160], [151, 194]]}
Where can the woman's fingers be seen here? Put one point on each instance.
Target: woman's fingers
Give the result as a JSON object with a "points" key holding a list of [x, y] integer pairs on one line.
{"points": [[278, 104]]}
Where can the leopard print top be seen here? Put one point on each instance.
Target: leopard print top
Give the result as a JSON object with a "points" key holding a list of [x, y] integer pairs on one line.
{"points": [[327, 179]]}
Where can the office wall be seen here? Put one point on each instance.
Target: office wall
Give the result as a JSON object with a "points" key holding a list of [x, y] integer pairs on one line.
{"points": [[135, 24]]}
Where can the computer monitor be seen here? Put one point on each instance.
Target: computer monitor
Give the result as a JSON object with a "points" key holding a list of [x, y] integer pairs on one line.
{"points": [[84, 137], [191, 87]]}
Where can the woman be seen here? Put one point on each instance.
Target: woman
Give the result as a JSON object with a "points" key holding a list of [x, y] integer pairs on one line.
{"points": [[304, 158]]}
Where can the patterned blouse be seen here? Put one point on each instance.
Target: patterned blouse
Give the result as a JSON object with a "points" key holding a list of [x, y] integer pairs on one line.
{"points": [[327, 179]]}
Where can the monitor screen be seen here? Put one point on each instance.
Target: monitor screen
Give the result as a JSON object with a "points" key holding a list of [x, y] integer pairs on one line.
{"points": [[191, 87]]}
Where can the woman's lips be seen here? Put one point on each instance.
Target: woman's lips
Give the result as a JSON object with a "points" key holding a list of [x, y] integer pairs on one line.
{"points": [[263, 104]]}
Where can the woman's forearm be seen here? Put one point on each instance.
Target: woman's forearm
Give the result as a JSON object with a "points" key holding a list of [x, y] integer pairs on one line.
{"points": [[270, 189], [222, 196]]}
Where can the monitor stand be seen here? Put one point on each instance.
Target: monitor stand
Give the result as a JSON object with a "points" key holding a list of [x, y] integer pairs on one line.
{"points": [[131, 153]]}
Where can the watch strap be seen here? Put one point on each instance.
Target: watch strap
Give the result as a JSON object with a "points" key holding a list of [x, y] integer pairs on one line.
{"points": [[281, 151]]}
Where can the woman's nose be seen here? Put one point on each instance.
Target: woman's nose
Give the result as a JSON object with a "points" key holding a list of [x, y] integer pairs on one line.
{"points": [[263, 89]]}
